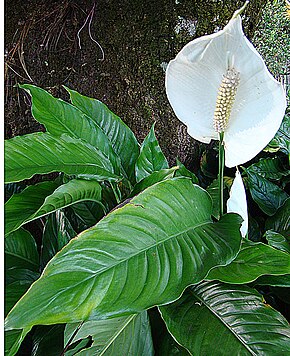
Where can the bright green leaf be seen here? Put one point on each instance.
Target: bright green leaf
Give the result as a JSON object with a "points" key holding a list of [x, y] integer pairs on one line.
{"points": [[60, 117], [214, 317], [266, 194], [151, 157], [183, 171], [213, 191], [129, 335], [36, 201], [41, 153], [253, 261], [121, 137], [153, 178], [13, 340], [140, 255]]}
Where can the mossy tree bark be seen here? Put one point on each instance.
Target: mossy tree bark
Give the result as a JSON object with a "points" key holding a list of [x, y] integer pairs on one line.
{"points": [[46, 45]]}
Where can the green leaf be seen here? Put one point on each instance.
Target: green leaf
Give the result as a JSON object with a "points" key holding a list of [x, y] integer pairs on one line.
{"points": [[41, 153], [23, 205], [281, 220], [184, 172], [129, 335], [140, 255], [121, 137], [215, 317], [278, 241], [266, 194], [48, 340], [151, 157], [60, 117], [153, 178], [253, 261], [56, 234], [169, 347], [13, 340], [276, 281], [37, 201], [21, 251], [269, 168], [13, 292]]}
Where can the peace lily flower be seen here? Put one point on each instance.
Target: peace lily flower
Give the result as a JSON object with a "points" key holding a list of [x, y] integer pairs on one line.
{"points": [[219, 83], [237, 202]]}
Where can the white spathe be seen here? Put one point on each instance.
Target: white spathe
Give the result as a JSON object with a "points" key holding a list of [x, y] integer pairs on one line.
{"points": [[193, 79], [237, 202]]}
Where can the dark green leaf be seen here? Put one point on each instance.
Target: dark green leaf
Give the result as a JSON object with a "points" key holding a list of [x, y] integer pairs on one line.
{"points": [[278, 241], [60, 117], [48, 340], [153, 178], [129, 335], [266, 194], [281, 220], [253, 261], [42, 153], [151, 158], [37, 201], [167, 346], [278, 281], [213, 191], [213, 318], [269, 168], [121, 137], [56, 234], [21, 251], [140, 255]]}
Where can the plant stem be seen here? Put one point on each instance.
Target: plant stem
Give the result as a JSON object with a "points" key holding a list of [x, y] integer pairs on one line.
{"points": [[221, 172]]}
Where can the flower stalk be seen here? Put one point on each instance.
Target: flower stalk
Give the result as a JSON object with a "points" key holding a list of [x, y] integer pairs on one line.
{"points": [[221, 173]]}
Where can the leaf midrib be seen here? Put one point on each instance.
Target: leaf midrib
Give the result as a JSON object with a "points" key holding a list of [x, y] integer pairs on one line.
{"points": [[224, 322]]}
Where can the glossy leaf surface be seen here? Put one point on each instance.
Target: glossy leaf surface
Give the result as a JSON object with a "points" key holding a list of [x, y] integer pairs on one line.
{"points": [[129, 335], [213, 317], [25, 207], [151, 157], [269, 168], [278, 241], [266, 194], [41, 153], [60, 117], [281, 220], [140, 255], [253, 261], [121, 137]]}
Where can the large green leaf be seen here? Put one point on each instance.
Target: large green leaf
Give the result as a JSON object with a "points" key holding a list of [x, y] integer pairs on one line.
{"points": [[151, 157], [121, 137], [60, 117], [56, 234], [253, 261], [42, 153], [266, 194], [128, 335], [39, 200], [222, 319], [183, 171], [140, 255]]}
